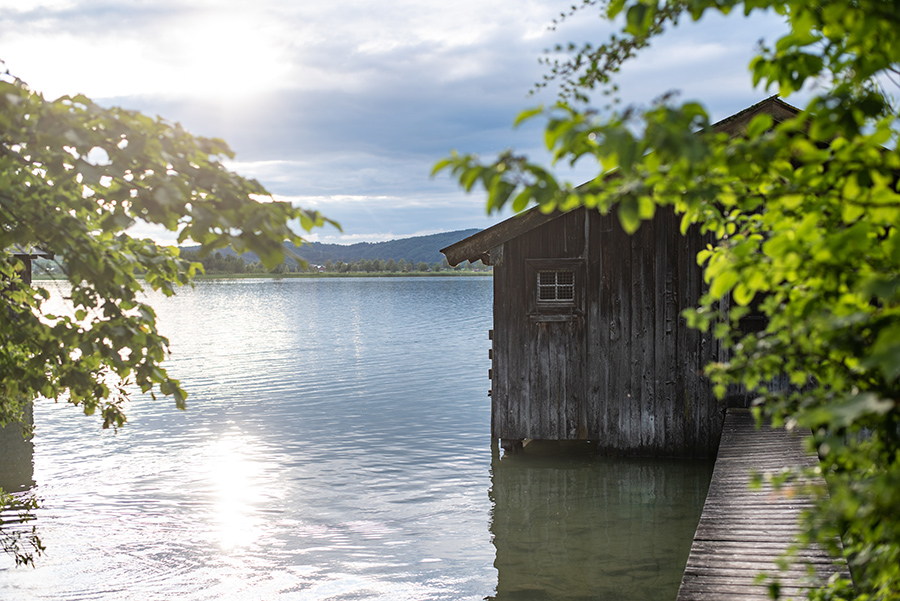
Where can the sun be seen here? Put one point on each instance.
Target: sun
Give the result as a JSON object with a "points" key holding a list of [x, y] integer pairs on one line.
{"points": [[224, 57], [221, 56]]}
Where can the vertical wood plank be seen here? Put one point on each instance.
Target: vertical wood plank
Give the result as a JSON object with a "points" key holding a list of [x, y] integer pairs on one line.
{"points": [[560, 376], [648, 338], [700, 399], [518, 343], [581, 426], [625, 305], [709, 354], [636, 421], [674, 437], [617, 355], [684, 351], [500, 394], [697, 406], [603, 238], [660, 373], [547, 423]]}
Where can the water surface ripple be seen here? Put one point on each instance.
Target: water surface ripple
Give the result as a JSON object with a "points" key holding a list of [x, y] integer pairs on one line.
{"points": [[336, 446]]}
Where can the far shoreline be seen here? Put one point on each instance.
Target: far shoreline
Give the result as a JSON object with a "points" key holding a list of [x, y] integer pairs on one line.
{"points": [[349, 274], [286, 276]]}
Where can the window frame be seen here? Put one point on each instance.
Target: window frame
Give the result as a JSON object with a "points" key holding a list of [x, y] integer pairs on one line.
{"points": [[555, 287], [554, 309]]}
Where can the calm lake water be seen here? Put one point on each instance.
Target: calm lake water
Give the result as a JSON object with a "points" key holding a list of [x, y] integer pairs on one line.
{"points": [[337, 446]]}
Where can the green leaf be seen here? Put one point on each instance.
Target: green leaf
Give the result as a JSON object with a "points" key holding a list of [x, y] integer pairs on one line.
{"points": [[615, 7], [637, 19], [885, 354], [723, 283], [646, 208], [743, 294], [528, 114], [844, 412], [441, 165], [629, 214], [521, 201], [759, 125]]}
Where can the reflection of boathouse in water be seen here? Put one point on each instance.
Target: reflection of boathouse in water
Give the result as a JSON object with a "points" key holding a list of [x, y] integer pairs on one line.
{"points": [[17, 453], [16, 449], [588, 340], [568, 524]]}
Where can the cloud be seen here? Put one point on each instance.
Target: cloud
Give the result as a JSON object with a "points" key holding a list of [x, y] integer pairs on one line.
{"points": [[185, 48], [346, 105], [376, 218]]}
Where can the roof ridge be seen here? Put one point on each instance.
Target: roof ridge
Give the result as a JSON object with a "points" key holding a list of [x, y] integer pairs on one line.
{"points": [[773, 99]]}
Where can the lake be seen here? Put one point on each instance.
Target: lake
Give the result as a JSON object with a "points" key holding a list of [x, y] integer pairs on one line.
{"points": [[337, 446]]}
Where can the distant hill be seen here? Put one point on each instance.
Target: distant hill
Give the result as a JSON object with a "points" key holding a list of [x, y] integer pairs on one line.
{"points": [[415, 249]]}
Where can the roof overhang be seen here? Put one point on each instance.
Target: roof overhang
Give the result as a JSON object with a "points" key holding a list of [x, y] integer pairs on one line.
{"points": [[30, 252], [478, 246]]}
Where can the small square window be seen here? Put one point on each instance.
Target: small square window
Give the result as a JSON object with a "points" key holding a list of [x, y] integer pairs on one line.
{"points": [[555, 289], [556, 286]]}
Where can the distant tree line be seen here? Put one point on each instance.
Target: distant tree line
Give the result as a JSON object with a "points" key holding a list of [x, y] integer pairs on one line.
{"points": [[416, 249], [219, 264], [401, 266]]}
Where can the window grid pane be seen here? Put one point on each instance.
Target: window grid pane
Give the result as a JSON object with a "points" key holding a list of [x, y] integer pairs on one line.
{"points": [[556, 286]]}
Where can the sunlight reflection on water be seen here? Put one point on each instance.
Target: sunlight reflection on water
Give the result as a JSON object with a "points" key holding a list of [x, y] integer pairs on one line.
{"points": [[336, 446]]}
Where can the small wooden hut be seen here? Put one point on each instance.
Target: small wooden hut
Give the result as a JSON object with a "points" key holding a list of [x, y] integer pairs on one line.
{"points": [[588, 339], [27, 255]]}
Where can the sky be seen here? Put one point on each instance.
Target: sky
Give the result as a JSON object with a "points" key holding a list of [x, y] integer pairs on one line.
{"points": [[344, 106]]}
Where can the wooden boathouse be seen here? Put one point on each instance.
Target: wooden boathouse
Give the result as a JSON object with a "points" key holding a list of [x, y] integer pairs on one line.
{"points": [[588, 339], [26, 256]]}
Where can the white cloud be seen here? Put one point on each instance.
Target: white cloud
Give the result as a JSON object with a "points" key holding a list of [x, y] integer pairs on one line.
{"points": [[345, 106], [224, 51], [319, 236], [226, 54], [21, 6]]}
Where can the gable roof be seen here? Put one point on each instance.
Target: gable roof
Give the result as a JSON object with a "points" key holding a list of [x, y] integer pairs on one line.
{"points": [[29, 252], [774, 106], [477, 246]]}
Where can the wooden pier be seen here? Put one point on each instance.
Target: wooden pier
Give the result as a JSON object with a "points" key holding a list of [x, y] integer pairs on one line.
{"points": [[742, 532]]}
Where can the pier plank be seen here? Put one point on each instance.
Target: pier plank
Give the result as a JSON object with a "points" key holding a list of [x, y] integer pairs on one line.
{"points": [[743, 533]]}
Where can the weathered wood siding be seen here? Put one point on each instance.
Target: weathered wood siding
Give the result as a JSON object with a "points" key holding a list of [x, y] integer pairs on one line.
{"points": [[538, 369], [623, 369]]}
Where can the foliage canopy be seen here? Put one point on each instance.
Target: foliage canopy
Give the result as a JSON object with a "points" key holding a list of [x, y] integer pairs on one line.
{"points": [[74, 177], [805, 214]]}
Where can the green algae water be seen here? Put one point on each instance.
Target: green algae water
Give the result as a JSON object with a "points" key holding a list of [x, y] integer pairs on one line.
{"points": [[337, 446]]}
